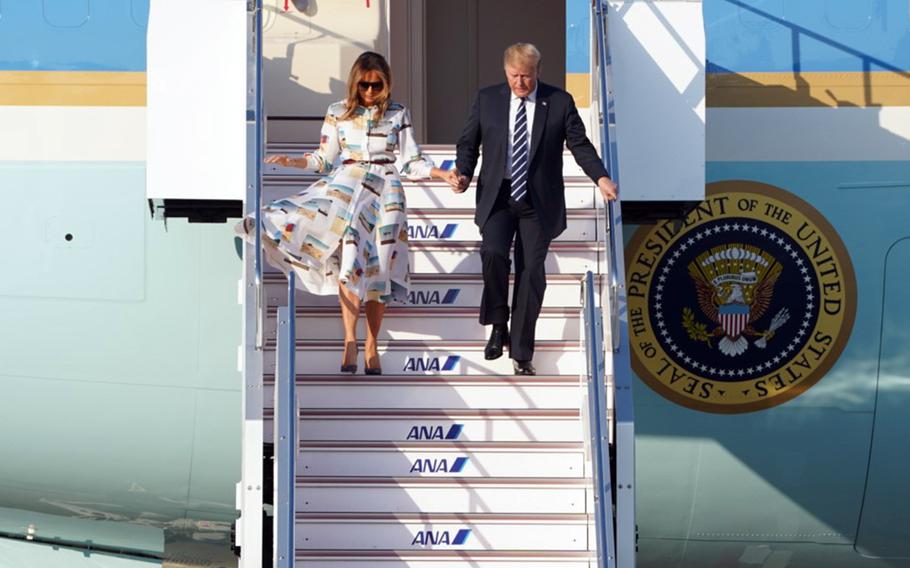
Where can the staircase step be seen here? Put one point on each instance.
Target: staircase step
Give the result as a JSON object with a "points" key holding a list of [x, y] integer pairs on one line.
{"points": [[580, 192], [418, 459], [424, 324], [441, 495], [464, 258], [441, 428], [443, 559], [419, 392], [434, 225], [442, 532], [439, 153], [457, 257], [318, 357], [455, 290]]}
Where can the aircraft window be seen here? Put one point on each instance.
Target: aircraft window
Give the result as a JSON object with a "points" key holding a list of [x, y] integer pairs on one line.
{"points": [[66, 13], [763, 15], [852, 15], [139, 12]]}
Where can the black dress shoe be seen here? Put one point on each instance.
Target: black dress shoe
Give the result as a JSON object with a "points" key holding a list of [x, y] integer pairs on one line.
{"points": [[523, 367], [498, 336]]}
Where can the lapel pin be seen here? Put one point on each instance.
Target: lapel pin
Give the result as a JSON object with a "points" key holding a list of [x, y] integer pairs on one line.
{"points": [[544, 103]]}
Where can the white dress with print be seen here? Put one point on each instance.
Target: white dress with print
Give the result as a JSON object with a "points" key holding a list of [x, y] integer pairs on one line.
{"points": [[350, 227]]}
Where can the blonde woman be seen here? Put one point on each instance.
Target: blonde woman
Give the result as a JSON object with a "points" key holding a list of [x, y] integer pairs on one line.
{"points": [[347, 233]]}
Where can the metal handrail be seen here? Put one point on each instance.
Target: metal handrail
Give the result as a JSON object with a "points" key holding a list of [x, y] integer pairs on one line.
{"points": [[622, 426], [599, 428], [257, 211], [286, 444], [608, 155]]}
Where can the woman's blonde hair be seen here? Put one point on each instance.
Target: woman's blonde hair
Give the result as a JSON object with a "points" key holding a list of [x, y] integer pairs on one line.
{"points": [[366, 62]]}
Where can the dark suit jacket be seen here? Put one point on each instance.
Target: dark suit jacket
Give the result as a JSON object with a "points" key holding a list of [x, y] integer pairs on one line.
{"points": [[556, 122]]}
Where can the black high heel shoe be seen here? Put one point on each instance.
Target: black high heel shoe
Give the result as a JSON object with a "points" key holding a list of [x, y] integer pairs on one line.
{"points": [[352, 368], [372, 370]]}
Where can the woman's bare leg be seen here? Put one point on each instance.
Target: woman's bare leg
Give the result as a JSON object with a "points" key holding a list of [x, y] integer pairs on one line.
{"points": [[375, 311], [350, 313]]}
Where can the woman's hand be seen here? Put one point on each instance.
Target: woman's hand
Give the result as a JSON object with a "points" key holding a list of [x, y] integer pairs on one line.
{"points": [[451, 177], [287, 161]]}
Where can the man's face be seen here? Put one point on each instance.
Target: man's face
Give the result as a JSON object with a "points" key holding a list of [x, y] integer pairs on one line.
{"points": [[522, 78]]}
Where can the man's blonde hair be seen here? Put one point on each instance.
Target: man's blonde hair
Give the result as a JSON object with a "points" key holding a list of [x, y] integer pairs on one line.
{"points": [[523, 53]]}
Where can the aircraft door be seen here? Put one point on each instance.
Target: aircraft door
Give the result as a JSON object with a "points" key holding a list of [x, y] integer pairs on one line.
{"points": [[884, 524]]}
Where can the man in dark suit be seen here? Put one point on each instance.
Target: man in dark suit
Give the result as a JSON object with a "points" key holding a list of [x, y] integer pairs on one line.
{"points": [[522, 126]]}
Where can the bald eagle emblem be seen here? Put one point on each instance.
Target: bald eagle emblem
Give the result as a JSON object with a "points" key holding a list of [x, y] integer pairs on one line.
{"points": [[734, 284]]}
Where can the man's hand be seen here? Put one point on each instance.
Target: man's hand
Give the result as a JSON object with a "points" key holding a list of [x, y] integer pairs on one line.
{"points": [[450, 177], [463, 183], [457, 181], [607, 188]]}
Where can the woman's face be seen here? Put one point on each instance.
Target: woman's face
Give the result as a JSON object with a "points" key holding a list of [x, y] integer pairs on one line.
{"points": [[369, 88]]}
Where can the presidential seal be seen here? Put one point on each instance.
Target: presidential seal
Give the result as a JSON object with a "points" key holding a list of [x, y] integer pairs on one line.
{"points": [[744, 305]]}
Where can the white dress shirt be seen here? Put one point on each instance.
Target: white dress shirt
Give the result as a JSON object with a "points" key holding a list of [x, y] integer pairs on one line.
{"points": [[514, 101]]}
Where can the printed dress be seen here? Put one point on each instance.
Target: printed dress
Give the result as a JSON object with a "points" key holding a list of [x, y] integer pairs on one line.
{"points": [[350, 226]]}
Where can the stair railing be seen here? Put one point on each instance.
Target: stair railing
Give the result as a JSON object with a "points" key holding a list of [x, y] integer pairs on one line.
{"points": [[250, 526], [622, 430], [598, 427], [286, 444]]}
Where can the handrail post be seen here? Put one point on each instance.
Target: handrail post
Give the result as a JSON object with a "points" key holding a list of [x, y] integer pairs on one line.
{"points": [[286, 446]]}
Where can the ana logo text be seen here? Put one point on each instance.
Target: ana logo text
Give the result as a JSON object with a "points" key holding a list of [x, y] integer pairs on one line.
{"points": [[435, 432], [429, 465], [436, 538], [423, 232], [424, 364], [433, 297]]}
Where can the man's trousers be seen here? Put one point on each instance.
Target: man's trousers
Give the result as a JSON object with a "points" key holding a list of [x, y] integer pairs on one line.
{"points": [[517, 220]]}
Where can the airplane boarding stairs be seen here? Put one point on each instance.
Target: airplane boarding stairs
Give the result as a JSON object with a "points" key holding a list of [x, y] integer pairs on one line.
{"points": [[446, 459]]}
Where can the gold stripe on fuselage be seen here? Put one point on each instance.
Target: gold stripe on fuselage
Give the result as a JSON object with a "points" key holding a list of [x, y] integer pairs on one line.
{"points": [[808, 89], [579, 85], [72, 88]]}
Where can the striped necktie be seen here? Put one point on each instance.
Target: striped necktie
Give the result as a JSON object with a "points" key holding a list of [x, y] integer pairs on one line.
{"points": [[520, 153]]}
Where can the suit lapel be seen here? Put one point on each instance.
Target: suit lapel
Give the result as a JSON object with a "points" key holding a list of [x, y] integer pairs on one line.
{"points": [[505, 100], [540, 119]]}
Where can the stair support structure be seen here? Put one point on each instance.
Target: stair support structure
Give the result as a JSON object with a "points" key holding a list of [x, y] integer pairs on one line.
{"points": [[286, 442], [249, 537]]}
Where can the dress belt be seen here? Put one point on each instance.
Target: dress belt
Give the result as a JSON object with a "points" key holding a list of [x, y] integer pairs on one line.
{"points": [[375, 162]]}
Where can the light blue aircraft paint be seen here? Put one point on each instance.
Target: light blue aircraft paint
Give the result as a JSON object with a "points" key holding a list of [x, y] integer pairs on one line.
{"points": [[118, 345]]}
